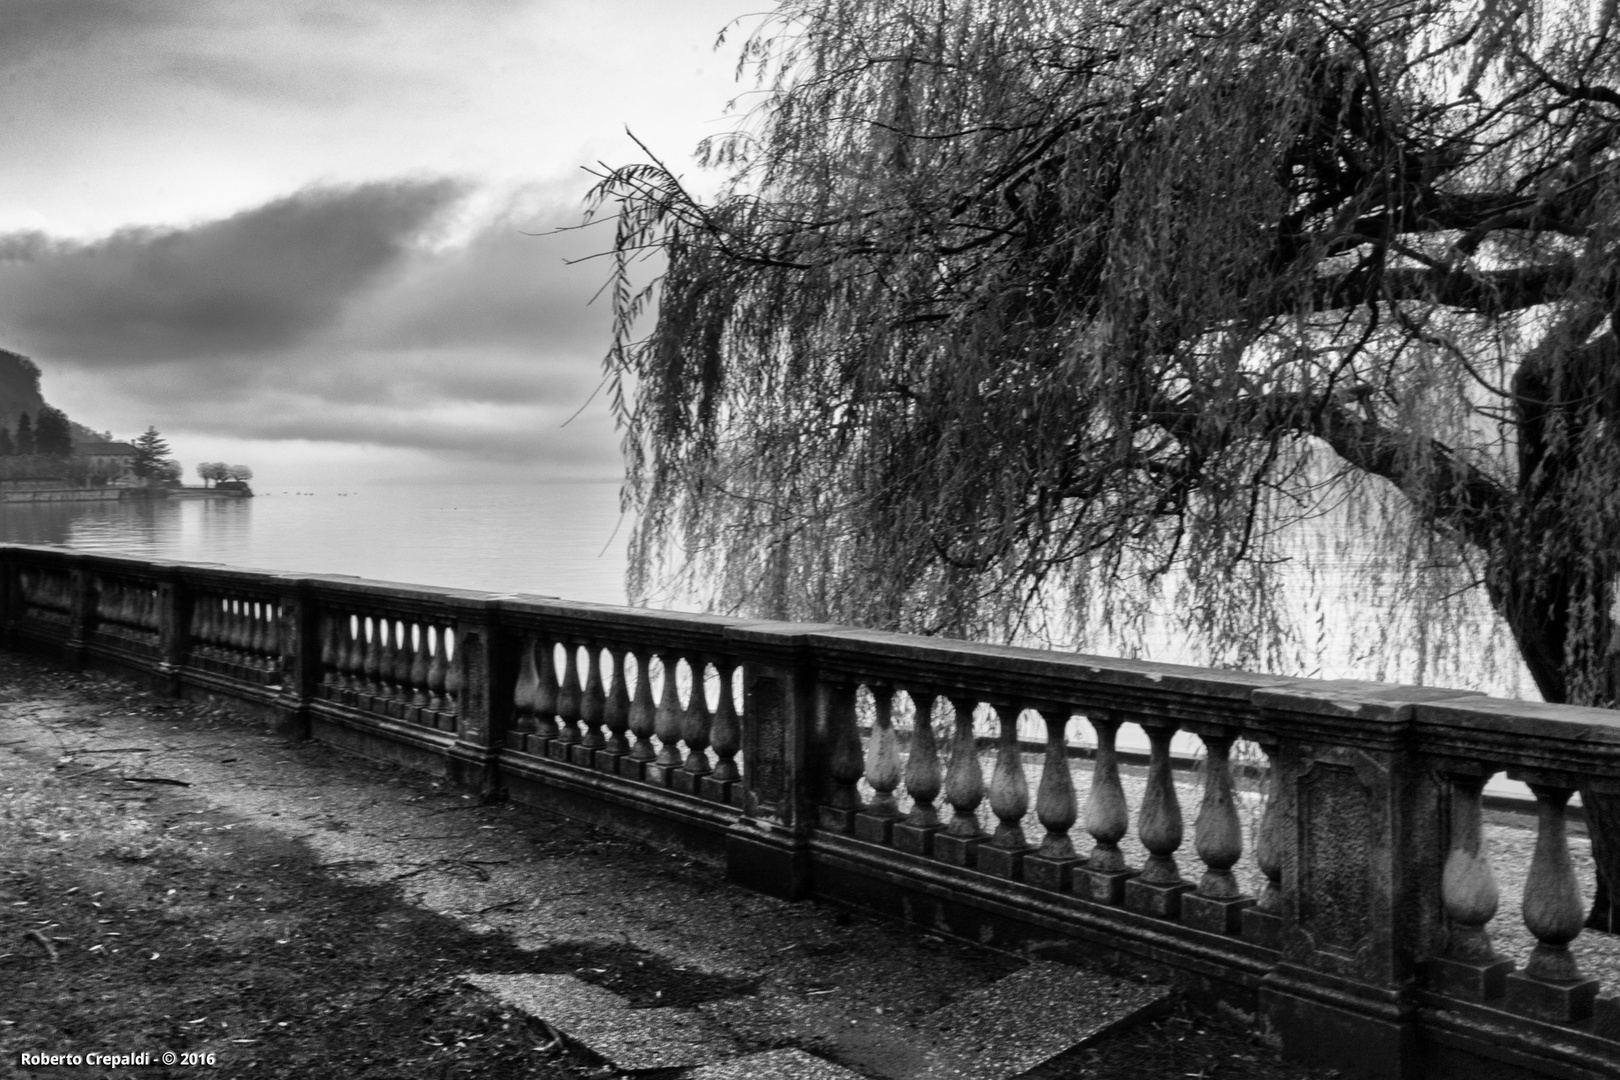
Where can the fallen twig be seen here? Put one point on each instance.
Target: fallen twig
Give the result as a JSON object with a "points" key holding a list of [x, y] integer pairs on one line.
{"points": [[43, 942], [155, 780]]}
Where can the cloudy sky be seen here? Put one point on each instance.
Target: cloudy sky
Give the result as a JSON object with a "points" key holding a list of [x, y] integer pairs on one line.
{"points": [[302, 235]]}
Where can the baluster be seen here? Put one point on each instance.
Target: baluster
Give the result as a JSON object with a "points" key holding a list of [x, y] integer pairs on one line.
{"points": [[964, 790], [236, 626], [695, 730], [726, 734], [643, 721], [568, 700], [525, 698], [329, 652], [666, 725], [354, 666], [419, 669], [616, 711], [149, 610], [438, 673], [264, 634], [452, 679], [371, 630], [206, 632], [1004, 855], [1262, 923], [591, 703], [876, 823], [1551, 986], [402, 658], [923, 778], [1157, 889], [216, 627], [1470, 967], [545, 701], [1107, 818], [1052, 867], [388, 637], [843, 761], [1218, 904]]}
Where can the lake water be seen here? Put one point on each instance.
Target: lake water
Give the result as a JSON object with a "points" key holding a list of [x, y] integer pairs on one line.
{"points": [[556, 539], [568, 540]]}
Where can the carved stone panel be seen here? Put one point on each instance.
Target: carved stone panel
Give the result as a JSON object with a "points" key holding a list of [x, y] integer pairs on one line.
{"points": [[767, 706], [1336, 836]]}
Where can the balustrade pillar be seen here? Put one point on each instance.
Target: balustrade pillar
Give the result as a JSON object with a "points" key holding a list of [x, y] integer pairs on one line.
{"points": [[1551, 986], [643, 721], [695, 723], [453, 679], [1158, 888], [1470, 967], [421, 657], [1052, 867], [1262, 923], [438, 673], [568, 702], [876, 823], [964, 789], [844, 763], [526, 700], [1217, 905], [726, 739], [1003, 856], [616, 710], [373, 630], [404, 656], [1108, 817], [592, 702], [923, 779], [666, 724]]}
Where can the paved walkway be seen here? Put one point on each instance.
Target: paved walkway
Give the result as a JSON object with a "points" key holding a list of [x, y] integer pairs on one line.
{"points": [[831, 990]]}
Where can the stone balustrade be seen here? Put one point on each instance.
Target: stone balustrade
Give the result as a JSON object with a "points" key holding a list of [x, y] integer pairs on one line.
{"points": [[1328, 867]]}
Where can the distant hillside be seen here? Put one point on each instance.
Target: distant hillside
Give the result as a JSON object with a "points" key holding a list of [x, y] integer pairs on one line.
{"points": [[19, 387], [19, 393]]}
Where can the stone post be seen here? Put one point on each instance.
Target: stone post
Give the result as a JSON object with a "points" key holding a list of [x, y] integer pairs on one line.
{"points": [[769, 846], [174, 629], [82, 613], [297, 613], [1362, 844], [486, 660]]}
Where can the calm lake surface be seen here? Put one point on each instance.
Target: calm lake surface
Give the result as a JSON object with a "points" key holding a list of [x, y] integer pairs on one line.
{"points": [[556, 539], [568, 540]]}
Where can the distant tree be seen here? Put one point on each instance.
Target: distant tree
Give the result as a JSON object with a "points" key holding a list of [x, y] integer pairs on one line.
{"points": [[7, 447], [52, 433], [25, 435], [211, 470], [239, 472], [168, 471], [150, 452]]}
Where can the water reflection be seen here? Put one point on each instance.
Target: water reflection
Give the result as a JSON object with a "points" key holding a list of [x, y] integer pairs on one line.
{"points": [[559, 539]]}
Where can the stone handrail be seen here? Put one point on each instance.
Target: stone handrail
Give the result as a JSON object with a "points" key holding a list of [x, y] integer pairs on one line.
{"points": [[1355, 916]]}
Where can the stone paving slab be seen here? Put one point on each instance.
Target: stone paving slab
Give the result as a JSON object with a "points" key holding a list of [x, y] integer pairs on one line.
{"points": [[603, 1022], [1029, 1017], [775, 1065]]}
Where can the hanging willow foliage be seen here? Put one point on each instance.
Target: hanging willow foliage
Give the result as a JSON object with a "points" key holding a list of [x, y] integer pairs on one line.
{"points": [[1013, 304]]}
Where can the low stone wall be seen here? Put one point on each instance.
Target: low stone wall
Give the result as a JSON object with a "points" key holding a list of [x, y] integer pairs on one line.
{"points": [[1338, 886]]}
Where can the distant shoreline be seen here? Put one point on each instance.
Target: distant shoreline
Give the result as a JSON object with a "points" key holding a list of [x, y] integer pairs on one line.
{"points": [[113, 494]]}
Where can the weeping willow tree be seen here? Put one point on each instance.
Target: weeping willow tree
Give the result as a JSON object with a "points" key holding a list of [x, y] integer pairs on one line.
{"points": [[1012, 311]]}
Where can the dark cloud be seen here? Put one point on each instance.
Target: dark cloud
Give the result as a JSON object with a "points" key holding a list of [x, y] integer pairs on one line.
{"points": [[262, 280], [386, 315], [33, 29]]}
